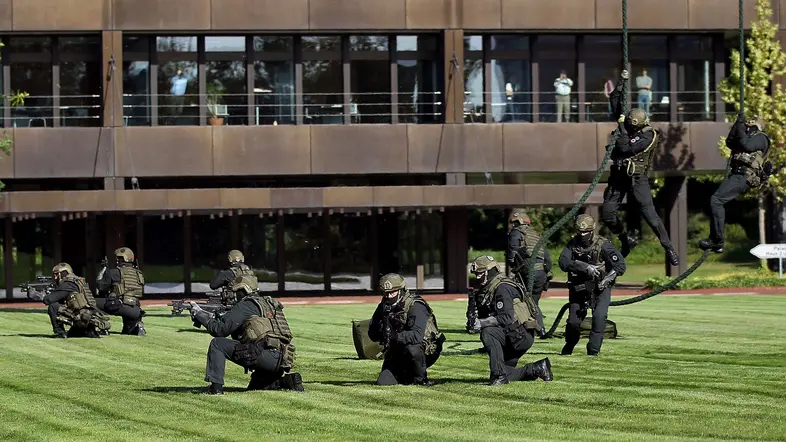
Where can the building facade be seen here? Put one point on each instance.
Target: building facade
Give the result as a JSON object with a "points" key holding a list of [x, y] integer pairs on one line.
{"points": [[331, 140]]}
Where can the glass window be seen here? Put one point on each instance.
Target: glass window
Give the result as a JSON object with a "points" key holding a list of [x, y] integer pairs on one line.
{"points": [[136, 80], [369, 79], [511, 81], [209, 247], [695, 78], [349, 252], [473, 79], [258, 237], [433, 258], [602, 55], [178, 85], [31, 71], [323, 80], [419, 79], [303, 238], [80, 81], [163, 242], [274, 80], [649, 82], [556, 56], [226, 90]]}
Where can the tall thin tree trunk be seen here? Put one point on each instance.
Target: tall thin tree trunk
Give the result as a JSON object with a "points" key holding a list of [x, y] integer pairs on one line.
{"points": [[762, 227]]}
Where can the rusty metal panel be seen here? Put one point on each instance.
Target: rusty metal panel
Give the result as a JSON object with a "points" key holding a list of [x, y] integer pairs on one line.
{"points": [[39, 153], [604, 131], [481, 14], [6, 15], [596, 197], [398, 196], [35, 202], [546, 147], [304, 198], [547, 194], [7, 161], [499, 195], [432, 14], [244, 198], [674, 153], [455, 148], [348, 197], [721, 14], [357, 14], [539, 14], [88, 201], [259, 14], [130, 200], [438, 196], [193, 199], [704, 145], [60, 15], [164, 15], [262, 150], [165, 151], [373, 149]]}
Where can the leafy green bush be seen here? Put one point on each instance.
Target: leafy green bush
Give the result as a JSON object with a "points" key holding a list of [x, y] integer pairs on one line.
{"points": [[761, 278]]}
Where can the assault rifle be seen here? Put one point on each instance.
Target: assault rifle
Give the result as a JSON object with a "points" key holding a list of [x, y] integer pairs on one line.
{"points": [[215, 303], [41, 284], [472, 310]]}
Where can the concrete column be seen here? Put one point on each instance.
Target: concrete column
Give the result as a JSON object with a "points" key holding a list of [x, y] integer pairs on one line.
{"points": [[115, 231], [140, 241], [454, 76], [8, 258], [456, 227], [90, 251], [676, 220], [187, 260]]}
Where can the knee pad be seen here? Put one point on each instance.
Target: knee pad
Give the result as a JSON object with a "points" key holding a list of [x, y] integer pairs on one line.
{"points": [[574, 324]]}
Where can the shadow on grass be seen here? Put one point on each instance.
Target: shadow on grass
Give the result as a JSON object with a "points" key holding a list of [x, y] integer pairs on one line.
{"points": [[23, 310], [191, 390], [438, 381], [192, 330], [31, 335]]}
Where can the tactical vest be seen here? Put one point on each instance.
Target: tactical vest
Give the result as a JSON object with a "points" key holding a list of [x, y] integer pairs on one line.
{"points": [[80, 307], [524, 308], [528, 243], [131, 286], [432, 334], [241, 270], [579, 282], [640, 163], [270, 327], [81, 298], [752, 165]]}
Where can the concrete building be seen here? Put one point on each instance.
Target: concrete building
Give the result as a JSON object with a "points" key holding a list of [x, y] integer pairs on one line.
{"points": [[330, 140]]}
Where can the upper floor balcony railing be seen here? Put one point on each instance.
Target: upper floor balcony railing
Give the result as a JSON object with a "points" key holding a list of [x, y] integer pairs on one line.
{"points": [[54, 111]]}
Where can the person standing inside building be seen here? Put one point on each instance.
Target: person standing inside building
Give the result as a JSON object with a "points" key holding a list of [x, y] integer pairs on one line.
{"points": [[123, 287], [562, 88], [644, 87], [592, 264]]}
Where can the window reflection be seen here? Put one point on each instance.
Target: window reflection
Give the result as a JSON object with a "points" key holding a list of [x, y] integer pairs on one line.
{"points": [[178, 86], [323, 101], [274, 92], [209, 248], [433, 258], [649, 82], [321, 44], [369, 79], [273, 44], [602, 59], [31, 71], [163, 244], [510, 79], [695, 78], [176, 44], [349, 252], [258, 237], [226, 92], [419, 97], [557, 70], [136, 80], [473, 79], [80, 81], [303, 238]]}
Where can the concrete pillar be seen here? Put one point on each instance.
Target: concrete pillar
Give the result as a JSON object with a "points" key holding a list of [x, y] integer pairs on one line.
{"points": [[676, 197], [115, 231], [8, 258], [454, 75], [456, 222], [187, 259]]}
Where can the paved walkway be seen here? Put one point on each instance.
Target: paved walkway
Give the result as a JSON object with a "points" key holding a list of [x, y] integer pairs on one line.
{"points": [[553, 293]]}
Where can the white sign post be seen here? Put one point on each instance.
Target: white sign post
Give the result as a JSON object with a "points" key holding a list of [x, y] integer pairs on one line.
{"points": [[771, 251]]}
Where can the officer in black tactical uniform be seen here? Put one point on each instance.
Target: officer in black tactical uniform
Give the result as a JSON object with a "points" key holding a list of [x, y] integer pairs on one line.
{"points": [[521, 243], [71, 303], [592, 264], [237, 267], [262, 341], [749, 145], [406, 327], [122, 288], [507, 325], [632, 159]]}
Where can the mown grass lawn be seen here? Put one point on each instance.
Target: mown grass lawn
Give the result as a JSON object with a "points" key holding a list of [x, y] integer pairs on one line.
{"points": [[684, 368]]}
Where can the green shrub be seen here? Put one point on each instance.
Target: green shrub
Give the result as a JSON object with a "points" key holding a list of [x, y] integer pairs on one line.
{"points": [[761, 278]]}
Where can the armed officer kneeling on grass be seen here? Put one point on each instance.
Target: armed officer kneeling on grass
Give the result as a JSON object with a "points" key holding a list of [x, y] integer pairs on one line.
{"points": [[262, 341], [507, 325], [123, 287], [71, 303], [592, 264], [406, 327], [237, 267]]}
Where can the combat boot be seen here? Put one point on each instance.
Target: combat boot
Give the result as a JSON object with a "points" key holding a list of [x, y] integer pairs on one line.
{"points": [[292, 381], [139, 330], [61, 334], [499, 381], [543, 370], [671, 256], [425, 382], [628, 241], [215, 389], [711, 244]]}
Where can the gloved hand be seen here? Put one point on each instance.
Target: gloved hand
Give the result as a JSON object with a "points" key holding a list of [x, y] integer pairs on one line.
{"points": [[621, 119], [34, 295], [593, 271], [476, 326], [194, 307], [625, 74]]}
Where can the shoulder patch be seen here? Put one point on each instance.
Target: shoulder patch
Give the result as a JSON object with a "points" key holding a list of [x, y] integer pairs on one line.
{"points": [[615, 258], [635, 139], [500, 305]]}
